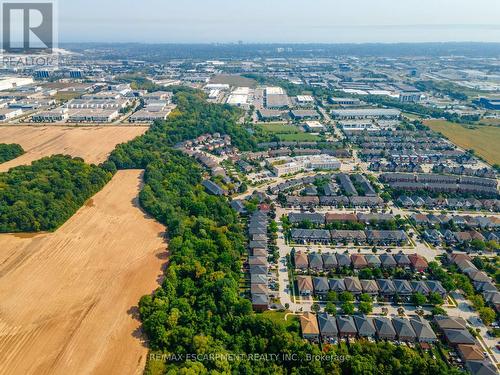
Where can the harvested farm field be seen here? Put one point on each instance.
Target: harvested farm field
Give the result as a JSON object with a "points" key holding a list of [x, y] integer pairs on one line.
{"points": [[93, 143], [69, 298]]}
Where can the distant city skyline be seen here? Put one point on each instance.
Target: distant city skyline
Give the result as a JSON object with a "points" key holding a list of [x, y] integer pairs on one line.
{"points": [[280, 21]]}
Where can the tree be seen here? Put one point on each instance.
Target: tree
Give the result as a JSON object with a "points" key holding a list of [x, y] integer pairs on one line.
{"points": [[478, 245], [435, 298], [365, 274], [365, 298], [365, 307], [243, 188], [10, 152], [315, 308], [437, 310], [348, 308], [332, 296], [487, 315], [346, 297], [43, 195], [330, 308], [477, 301], [418, 299]]}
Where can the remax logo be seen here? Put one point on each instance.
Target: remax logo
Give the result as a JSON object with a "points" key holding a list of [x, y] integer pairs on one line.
{"points": [[28, 27]]}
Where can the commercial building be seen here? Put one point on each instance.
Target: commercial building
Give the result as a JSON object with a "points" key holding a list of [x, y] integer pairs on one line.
{"points": [[345, 101], [56, 115], [314, 126], [93, 115], [9, 113], [370, 113], [240, 97], [305, 114], [9, 83], [285, 165]]}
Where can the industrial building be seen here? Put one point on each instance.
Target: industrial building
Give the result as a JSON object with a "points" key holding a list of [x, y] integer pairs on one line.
{"points": [[369, 113]]}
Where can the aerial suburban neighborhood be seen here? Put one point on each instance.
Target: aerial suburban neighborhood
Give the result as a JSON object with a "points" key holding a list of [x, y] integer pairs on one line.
{"points": [[249, 207]]}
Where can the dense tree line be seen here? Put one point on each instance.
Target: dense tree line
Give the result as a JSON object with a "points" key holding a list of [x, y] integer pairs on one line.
{"points": [[43, 195], [10, 151], [199, 308], [448, 89]]}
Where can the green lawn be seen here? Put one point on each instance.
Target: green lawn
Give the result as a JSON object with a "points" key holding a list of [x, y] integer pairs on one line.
{"points": [[278, 317], [412, 116], [276, 127], [484, 140]]}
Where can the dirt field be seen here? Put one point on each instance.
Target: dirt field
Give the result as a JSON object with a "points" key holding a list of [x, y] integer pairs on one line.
{"points": [[484, 140], [93, 144], [68, 299], [234, 80]]}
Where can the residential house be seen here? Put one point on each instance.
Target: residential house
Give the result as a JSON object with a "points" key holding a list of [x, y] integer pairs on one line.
{"points": [[346, 326], [423, 330], [403, 288], [327, 327], [258, 279], [358, 261], [301, 217], [260, 302], [384, 328], [458, 336], [481, 368], [343, 260], [305, 285], [387, 261], [321, 286], [348, 236], [329, 261], [344, 218], [370, 287], [470, 352], [316, 236], [386, 237], [364, 325], [372, 261], [353, 285], [301, 261], [404, 329], [418, 262], [420, 287], [402, 260], [337, 285], [436, 287], [450, 322], [315, 262], [386, 287], [309, 327]]}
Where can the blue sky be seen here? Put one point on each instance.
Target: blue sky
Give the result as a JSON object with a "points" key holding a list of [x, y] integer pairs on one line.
{"points": [[324, 21]]}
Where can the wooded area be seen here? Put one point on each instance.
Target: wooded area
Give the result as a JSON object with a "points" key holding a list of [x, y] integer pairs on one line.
{"points": [[43, 195], [10, 151]]}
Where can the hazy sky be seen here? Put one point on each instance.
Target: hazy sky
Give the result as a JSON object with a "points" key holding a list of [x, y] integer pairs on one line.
{"points": [[325, 21]]}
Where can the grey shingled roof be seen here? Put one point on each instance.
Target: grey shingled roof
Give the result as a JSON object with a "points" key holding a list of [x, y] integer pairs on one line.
{"points": [[346, 324], [384, 327], [403, 328], [327, 324], [423, 329], [365, 325]]}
